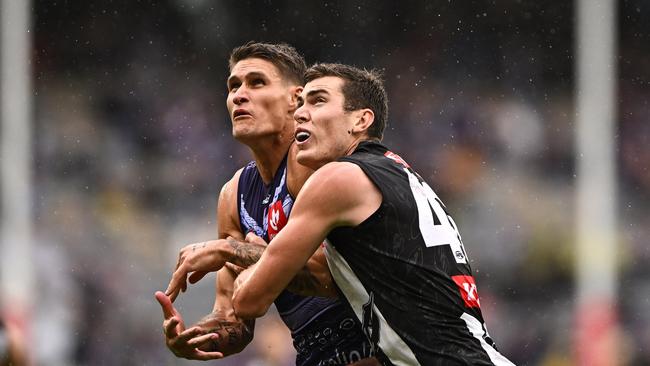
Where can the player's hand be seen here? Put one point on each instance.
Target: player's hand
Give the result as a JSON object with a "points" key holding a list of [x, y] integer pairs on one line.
{"points": [[235, 269], [242, 277], [252, 238], [185, 343], [197, 260]]}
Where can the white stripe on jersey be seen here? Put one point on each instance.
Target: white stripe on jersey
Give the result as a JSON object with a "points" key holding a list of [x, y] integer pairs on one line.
{"points": [[389, 341], [278, 189], [476, 329]]}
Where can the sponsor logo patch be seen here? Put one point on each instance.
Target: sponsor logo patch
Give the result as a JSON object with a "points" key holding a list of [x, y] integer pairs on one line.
{"points": [[398, 159], [468, 291], [277, 219]]}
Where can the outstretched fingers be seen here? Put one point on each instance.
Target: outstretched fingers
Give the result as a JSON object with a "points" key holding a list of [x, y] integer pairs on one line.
{"points": [[197, 276], [177, 283], [166, 304], [170, 327], [191, 340]]}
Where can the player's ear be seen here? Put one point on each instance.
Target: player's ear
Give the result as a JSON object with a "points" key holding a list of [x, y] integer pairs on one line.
{"points": [[295, 93], [364, 120]]}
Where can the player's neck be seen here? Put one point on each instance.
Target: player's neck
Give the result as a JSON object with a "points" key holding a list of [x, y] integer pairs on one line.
{"points": [[268, 155], [354, 144]]}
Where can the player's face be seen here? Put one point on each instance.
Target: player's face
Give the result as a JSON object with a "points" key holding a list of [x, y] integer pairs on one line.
{"points": [[259, 100], [322, 124]]}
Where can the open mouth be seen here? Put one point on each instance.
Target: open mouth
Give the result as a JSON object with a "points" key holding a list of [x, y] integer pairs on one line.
{"points": [[302, 136], [239, 113]]}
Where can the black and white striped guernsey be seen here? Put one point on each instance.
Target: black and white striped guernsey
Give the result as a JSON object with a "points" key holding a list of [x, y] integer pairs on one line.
{"points": [[405, 272]]}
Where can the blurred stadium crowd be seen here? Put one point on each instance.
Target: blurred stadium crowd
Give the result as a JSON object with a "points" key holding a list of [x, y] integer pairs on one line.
{"points": [[132, 144]]}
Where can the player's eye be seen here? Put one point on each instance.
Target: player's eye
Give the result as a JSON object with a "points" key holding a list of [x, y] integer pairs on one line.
{"points": [[320, 100], [233, 86], [257, 82]]}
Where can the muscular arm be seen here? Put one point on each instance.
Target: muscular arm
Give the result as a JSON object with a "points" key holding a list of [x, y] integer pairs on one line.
{"points": [[220, 333], [339, 194], [234, 333], [313, 279], [198, 259]]}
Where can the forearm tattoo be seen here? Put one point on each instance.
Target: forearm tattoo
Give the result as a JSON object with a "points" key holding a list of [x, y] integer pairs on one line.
{"points": [[246, 254], [304, 283], [233, 335]]}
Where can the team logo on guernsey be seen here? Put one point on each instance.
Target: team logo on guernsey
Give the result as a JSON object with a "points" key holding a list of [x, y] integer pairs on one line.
{"points": [[468, 290], [398, 159], [276, 219]]}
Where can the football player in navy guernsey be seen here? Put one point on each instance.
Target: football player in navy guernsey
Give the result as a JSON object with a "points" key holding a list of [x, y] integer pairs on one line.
{"points": [[392, 247], [263, 89]]}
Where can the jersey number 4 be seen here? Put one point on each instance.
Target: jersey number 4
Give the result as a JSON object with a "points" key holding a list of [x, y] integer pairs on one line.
{"points": [[436, 226]]}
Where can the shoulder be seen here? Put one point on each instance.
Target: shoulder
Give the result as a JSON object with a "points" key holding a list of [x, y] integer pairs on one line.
{"points": [[247, 173], [341, 189], [229, 189], [227, 211], [333, 176], [338, 171]]}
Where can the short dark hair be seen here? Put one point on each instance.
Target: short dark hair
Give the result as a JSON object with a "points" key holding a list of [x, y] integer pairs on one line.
{"points": [[288, 61], [361, 89]]}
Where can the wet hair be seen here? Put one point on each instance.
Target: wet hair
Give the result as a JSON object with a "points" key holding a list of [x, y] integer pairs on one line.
{"points": [[288, 61], [361, 89]]}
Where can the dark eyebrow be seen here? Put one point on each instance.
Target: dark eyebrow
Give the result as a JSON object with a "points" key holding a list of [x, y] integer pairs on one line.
{"points": [[230, 80], [316, 91], [250, 75], [256, 74]]}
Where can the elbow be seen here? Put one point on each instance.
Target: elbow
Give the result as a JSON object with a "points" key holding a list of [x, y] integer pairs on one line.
{"points": [[248, 308]]}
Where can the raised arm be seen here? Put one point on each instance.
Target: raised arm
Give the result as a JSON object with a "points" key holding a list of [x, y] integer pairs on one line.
{"points": [[234, 333], [314, 279], [222, 333], [219, 333], [338, 194]]}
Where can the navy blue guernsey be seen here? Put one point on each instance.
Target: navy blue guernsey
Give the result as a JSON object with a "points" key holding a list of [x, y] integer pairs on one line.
{"points": [[325, 331]]}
